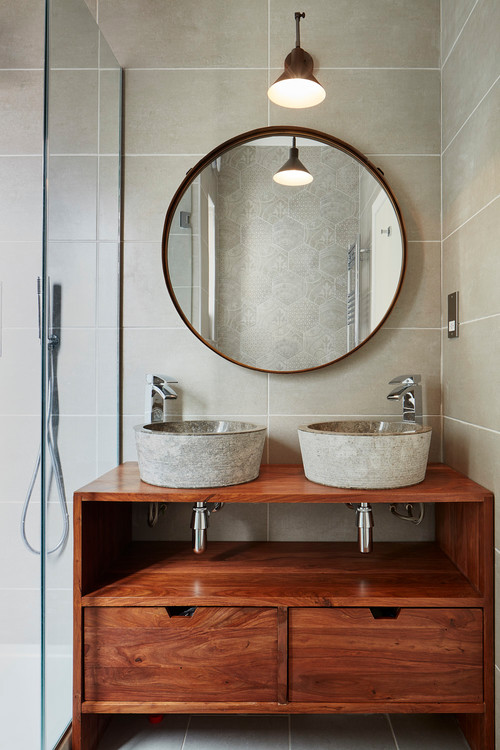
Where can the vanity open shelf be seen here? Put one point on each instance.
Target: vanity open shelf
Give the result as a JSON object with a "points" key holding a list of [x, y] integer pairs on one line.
{"points": [[283, 627]]}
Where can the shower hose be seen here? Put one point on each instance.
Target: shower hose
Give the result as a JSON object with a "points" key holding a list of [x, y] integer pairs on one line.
{"points": [[55, 461]]}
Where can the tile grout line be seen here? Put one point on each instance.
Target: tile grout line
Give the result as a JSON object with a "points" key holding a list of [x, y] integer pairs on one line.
{"points": [[392, 731], [443, 63], [472, 113], [478, 320], [186, 733], [472, 424], [249, 68], [471, 217]]}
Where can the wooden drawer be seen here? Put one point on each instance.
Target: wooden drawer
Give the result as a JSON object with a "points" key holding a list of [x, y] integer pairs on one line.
{"points": [[349, 655], [217, 654]]}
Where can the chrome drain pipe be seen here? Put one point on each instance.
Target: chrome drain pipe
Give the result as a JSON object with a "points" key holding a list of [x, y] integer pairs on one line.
{"points": [[199, 525], [364, 518]]}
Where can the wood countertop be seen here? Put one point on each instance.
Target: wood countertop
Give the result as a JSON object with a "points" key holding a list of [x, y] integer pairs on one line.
{"points": [[283, 484]]}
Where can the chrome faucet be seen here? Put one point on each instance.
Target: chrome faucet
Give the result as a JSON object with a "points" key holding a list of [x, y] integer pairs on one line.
{"points": [[409, 391], [158, 391]]}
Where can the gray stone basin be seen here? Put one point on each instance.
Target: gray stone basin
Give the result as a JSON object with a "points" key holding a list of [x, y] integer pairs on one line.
{"points": [[199, 453], [365, 454]]}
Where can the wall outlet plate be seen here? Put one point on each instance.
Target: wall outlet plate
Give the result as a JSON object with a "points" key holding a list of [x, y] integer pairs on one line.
{"points": [[453, 315]]}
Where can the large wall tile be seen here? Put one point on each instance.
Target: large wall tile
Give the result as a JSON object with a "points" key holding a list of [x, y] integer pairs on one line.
{"points": [[471, 264], [454, 14], [20, 264], [415, 181], [108, 427], [19, 568], [73, 111], [150, 183], [108, 284], [76, 375], [71, 267], [471, 364], [471, 165], [170, 111], [21, 198], [377, 111], [20, 615], [22, 34], [19, 440], [72, 198], [109, 109], [108, 220], [21, 374], [92, 6], [474, 451], [21, 104], [168, 34], [208, 384], [58, 618], [359, 33], [107, 371], [146, 301], [77, 447], [74, 35], [464, 82], [418, 305], [240, 522], [359, 383], [334, 522]]}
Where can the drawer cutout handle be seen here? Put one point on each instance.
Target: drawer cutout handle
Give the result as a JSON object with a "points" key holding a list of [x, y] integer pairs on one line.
{"points": [[385, 613], [180, 611]]}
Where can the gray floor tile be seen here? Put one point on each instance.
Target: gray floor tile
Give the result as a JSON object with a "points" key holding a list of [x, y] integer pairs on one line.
{"points": [[431, 731], [134, 732], [237, 733], [346, 732]]}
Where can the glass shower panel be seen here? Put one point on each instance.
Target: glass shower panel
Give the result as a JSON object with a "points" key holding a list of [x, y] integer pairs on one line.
{"points": [[81, 313]]}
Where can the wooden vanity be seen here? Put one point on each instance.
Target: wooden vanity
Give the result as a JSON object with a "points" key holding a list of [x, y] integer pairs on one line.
{"points": [[283, 627]]}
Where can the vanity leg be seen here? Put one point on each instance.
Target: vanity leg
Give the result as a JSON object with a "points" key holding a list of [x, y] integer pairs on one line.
{"points": [[88, 730], [465, 533]]}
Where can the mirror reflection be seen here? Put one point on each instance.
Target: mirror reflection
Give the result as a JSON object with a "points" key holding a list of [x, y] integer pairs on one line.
{"points": [[284, 277]]}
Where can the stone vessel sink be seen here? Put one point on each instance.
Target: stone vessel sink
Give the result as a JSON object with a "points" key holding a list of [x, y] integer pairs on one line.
{"points": [[199, 453], [365, 455]]}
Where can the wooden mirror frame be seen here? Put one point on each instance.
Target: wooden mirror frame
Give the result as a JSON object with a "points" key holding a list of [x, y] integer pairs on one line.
{"points": [[251, 135]]}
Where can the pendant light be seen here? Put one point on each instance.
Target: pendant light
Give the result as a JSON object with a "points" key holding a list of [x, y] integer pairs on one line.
{"points": [[297, 87], [293, 171]]}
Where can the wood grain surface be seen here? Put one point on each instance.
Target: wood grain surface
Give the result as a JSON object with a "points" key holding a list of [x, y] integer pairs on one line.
{"points": [[423, 655], [283, 483], [218, 654], [284, 574]]}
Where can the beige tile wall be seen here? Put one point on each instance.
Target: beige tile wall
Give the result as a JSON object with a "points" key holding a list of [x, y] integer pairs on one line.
{"points": [[471, 238], [197, 74], [21, 107]]}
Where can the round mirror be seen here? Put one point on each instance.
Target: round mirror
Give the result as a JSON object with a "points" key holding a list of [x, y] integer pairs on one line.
{"points": [[274, 270]]}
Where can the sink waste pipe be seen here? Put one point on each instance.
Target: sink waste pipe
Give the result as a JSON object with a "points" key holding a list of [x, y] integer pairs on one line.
{"points": [[364, 518], [365, 524], [199, 524]]}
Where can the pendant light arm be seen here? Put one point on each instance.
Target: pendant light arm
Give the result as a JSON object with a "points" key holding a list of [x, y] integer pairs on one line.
{"points": [[298, 16]]}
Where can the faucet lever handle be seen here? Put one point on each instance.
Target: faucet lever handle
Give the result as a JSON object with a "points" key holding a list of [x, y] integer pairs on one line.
{"points": [[159, 379], [406, 380]]}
